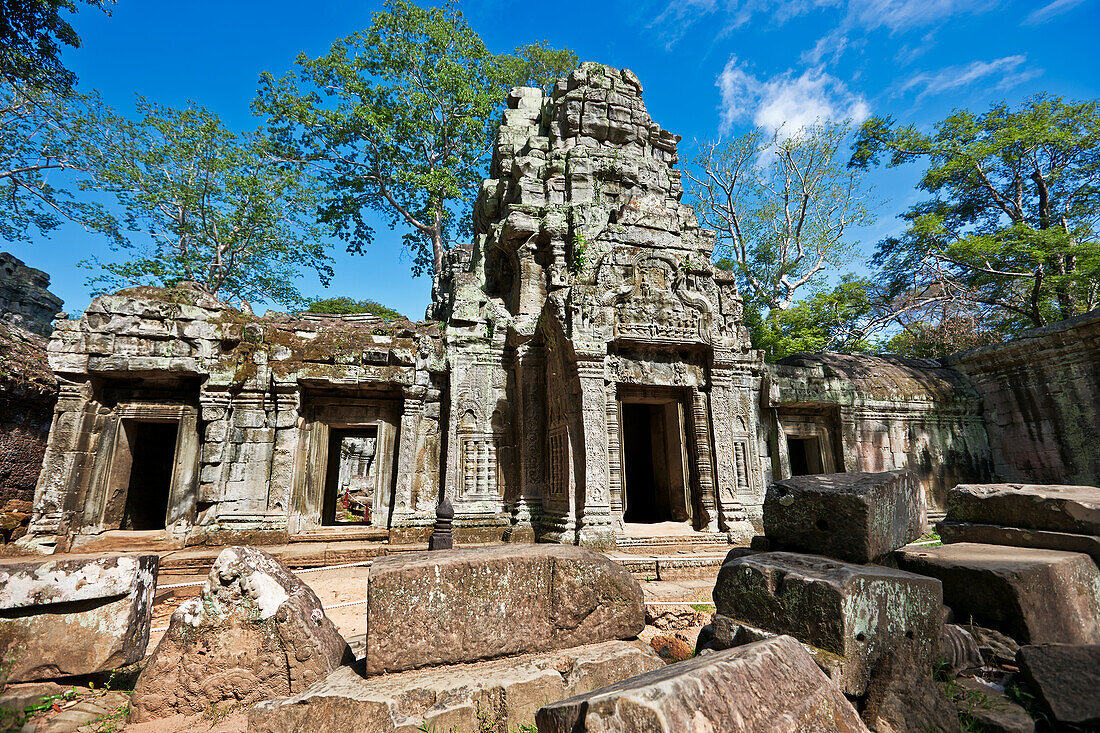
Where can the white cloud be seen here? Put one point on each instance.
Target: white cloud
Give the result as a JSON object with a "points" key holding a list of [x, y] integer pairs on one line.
{"points": [[786, 101], [1045, 13], [1003, 73]]}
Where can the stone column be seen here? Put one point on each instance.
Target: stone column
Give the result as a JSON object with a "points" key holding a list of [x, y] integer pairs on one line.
{"points": [[403, 513], [66, 466], [704, 466], [593, 499], [734, 425], [614, 457], [530, 426]]}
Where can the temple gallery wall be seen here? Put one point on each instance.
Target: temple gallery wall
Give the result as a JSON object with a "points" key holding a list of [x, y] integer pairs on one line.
{"points": [[584, 367]]}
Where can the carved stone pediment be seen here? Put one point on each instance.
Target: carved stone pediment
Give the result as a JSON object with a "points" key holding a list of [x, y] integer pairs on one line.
{"points": [[663, 303]]}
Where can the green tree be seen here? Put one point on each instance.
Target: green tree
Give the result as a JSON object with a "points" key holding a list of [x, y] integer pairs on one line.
{"points": [[782, 207], [399, 119], [31, 35], [343, 305], [1011, 228], [826, 320], [209, 206], [49, 138]]}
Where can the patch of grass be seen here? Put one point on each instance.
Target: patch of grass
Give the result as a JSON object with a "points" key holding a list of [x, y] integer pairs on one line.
{"points": [[704, 607]]}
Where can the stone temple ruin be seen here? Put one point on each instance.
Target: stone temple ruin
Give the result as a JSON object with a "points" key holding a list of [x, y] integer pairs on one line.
{"points": [[585, 370], [583, 378]]}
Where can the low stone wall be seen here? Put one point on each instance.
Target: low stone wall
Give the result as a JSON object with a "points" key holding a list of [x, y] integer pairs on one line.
{"points": [[1041, 399]]}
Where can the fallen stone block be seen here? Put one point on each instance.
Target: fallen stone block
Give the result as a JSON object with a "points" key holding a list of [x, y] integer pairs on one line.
{"points": [[1033, 596], [75, 616], [856, 517], [770, 685], [903, 698], [1066, 680], [431, 608], [986, 709], [1072, 509], [502, 694], [257, 632], [850, 614], [1041, 539]]}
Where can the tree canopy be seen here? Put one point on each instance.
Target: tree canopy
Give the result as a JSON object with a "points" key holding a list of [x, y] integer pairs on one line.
{"points": [[343, 305], [1010, 232], [31, 35], [782, 206], [210, 206], [398, 119]]}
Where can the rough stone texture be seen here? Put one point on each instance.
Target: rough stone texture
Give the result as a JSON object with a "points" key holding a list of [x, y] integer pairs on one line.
{"points": [[28, 391], [256, 632], [257, 402], [464, 605], [987, 710], [25, 299], [883, 413], [903, 698], [74, 616], [855, 517], [769, 685], [994, 534], [853, 613], [1034, 596], [501, 694], [1073, 509], [1066, 679], [1039, 401]]}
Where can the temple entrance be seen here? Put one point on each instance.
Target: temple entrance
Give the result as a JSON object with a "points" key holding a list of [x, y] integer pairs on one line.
{"points": [[655, 485], [805, 454], [145, 461], [352, 478]]}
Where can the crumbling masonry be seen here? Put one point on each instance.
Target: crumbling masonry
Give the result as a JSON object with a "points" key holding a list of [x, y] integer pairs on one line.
{"points": [[586, 366]]}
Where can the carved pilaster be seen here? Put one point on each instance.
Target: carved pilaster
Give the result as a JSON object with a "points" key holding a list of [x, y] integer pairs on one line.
{"points": [[704, 461], [594, 520]]}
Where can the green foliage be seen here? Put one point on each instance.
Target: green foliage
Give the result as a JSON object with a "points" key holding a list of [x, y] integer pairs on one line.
{"points": [[579, 256], [826, 320], [31, 35], [46, 134], [343, 305], [1010, 229], [209, 206], [939, 337], [398, 119], [782, 207]]}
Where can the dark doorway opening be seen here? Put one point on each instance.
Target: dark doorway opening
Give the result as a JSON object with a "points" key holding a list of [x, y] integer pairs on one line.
{"points": [[152, 447], [805, 455], [351, 478], [655, 486]]}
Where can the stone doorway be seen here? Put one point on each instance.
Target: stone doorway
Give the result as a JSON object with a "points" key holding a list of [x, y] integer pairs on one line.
{"points": [[805, 455], [143, 468], [350, 483], [656, 487]]}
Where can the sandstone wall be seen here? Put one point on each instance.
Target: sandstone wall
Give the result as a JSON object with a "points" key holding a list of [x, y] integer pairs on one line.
{"points": [[24, 298], [1041, 399], [28, 391], [882, 414]]}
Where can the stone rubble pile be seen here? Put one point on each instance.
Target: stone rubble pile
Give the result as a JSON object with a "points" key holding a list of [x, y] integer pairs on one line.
{"points": [[477, 639], [256, 632]]}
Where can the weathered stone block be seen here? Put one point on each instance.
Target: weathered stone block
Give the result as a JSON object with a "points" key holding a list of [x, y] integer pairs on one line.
{"points": [[855, 613], [1066, 680], [1034, 596], [769, 685], [1074, 509], [502, 693], [257, 632], [856, 517], [75, 616], [995, 534], [431, 608]]}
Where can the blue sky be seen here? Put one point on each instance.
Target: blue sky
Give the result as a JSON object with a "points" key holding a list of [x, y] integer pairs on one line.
{"points": [[709, 68]]}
